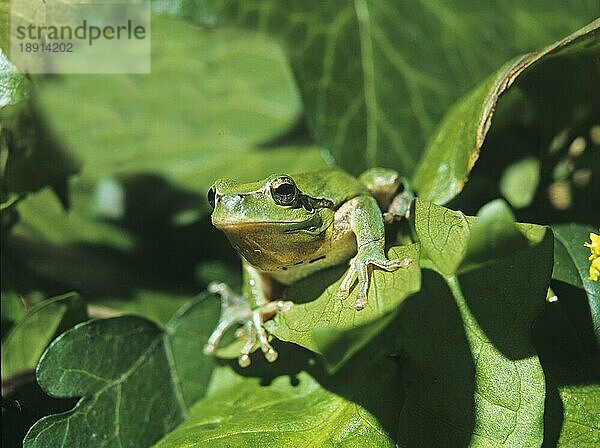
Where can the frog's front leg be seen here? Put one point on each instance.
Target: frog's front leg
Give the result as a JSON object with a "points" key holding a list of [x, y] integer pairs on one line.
{"points": [[250, 310], [367, 224]]}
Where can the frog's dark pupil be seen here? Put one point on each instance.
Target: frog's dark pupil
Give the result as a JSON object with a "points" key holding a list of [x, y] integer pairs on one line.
{"points": [[211, 197], [285, 190]]}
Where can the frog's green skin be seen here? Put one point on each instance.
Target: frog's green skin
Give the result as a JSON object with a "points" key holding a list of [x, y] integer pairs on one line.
{"points": [[287, 227]]}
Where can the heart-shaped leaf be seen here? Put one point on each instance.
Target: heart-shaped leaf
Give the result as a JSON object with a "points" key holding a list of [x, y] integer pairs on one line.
{"points": [[454, 146], [357, 406], [304, 414], [377, 76], [137, 380]]}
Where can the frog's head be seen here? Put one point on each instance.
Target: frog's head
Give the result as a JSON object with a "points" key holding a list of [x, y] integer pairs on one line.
{"points": [[271, 223]]}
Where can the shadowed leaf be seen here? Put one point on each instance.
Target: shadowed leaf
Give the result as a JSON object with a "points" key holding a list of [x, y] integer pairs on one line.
{"points": [[454, 146], [137, 380], [24, 344]]}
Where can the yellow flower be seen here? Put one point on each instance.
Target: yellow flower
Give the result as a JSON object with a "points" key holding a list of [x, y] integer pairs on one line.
{"points": [[595, 257]]}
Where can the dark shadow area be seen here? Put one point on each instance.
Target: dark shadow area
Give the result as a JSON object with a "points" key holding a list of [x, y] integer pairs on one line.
{"points": [[530, 123], [416, 377], [577, 308], [22, 408], [165, 255], [437, 369], [507, 294], [565, 363], [308, 289]]}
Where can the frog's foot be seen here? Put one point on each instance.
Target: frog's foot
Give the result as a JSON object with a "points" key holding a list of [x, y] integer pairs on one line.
{"points": [[360, 268], [255, 332], [236, 310]]}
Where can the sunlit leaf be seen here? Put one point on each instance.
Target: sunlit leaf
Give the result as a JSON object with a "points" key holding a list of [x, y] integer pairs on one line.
{"points": [[323, 323]]}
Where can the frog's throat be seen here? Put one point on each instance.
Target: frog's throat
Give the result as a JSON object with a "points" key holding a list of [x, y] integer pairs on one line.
{"points": [[279, 247]]}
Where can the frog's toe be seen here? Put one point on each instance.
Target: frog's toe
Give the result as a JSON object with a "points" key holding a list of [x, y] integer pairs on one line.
{"points": [[250, 334], [392, 265], [244, 360], [360, 303], [347, 282]]}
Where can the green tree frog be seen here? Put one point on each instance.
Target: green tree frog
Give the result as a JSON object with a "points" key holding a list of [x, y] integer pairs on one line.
{"points": [[287, 227]]}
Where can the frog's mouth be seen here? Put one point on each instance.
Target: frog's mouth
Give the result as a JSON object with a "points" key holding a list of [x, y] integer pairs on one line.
{"points": [[311, 225], [272, 246]]}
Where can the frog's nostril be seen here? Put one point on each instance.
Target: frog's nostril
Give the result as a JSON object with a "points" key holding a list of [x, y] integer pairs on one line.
{"points": [[211, 196]]}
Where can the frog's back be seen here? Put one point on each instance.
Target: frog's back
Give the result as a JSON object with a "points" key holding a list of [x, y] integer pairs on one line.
{"points": [[332, 184]]}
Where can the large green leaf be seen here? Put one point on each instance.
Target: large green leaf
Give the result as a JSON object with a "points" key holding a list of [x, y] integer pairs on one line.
{"points": [[24, 344], [137, 380], [376, 76], [323, 323], [467, 338], [282, 414], [211, 97], [295, 403], [571, 266], [572, 382], [454, 146]]}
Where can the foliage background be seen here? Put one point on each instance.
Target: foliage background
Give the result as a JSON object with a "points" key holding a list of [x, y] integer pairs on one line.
{"points": [[103, 194]]}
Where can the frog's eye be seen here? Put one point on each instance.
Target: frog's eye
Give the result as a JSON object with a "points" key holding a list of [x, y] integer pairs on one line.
{"points": [[284, 191], [211, 197]]}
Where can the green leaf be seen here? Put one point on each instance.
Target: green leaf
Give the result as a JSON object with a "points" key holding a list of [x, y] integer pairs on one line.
{"points": [[454, 146], [323, 323], [305, 414], [137, 380], [297, 404], [572, 383], [453, 241], [519, 182], [467, 340], [376, 76], [211, 97], [25, 342], [494, 233], [571, 266], [14, 87], [13, 310], [443, 235]]}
